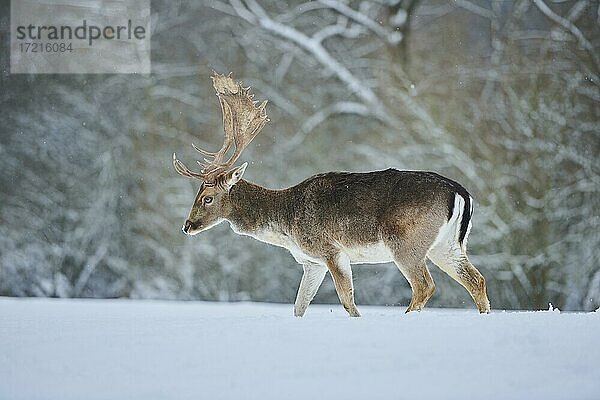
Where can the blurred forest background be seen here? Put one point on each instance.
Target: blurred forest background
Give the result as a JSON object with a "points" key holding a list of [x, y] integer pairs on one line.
{"points": [[500, 95]]}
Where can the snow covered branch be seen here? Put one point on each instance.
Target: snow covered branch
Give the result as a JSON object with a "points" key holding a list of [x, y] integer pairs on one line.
{"points": [[391, 36], [572, 28]]}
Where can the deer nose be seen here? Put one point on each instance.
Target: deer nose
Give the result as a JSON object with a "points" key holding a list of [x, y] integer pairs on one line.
{"points": [[186, 226]]}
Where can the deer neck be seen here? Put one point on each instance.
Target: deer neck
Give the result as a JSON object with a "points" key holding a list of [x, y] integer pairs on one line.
{"points": [[256, 210]]}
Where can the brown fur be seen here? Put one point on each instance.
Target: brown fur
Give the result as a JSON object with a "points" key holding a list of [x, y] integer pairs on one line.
{"points": [[321, 217]]}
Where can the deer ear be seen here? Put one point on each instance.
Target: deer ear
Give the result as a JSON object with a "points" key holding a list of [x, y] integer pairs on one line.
{"points": [[235, 175]]}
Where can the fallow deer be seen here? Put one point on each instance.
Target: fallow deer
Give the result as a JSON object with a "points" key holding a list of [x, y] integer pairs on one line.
{"points": [[332, 220]]}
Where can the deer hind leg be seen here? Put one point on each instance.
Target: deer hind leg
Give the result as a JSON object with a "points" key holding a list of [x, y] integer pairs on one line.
{"points": [[420, 280], [341, 272], [310, 283], [457, 265]]}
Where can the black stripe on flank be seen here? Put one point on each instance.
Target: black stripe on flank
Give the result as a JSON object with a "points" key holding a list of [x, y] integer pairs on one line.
{"points": [[464, 224]]}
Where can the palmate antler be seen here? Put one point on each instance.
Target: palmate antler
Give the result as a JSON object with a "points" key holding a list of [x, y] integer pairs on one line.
{"points": [[243, 119]]}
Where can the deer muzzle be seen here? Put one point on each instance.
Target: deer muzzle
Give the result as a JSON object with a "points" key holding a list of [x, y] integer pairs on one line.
{"points": [[187, 226]]}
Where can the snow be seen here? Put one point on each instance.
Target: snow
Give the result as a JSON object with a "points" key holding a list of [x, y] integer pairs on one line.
{"points": [[124, 349]]}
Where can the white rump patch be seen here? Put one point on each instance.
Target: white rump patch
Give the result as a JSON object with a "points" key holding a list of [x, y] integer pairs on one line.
{"points": [[446, 243], [464, 243]]}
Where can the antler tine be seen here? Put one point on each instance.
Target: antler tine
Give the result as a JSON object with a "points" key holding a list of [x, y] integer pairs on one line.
{"points": [[243, 119], [182, 169], [217, 157], [240, 145], [202, 151]]}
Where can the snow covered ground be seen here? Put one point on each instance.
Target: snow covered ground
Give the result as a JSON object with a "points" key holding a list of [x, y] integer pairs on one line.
{"points": [[120, 349]]}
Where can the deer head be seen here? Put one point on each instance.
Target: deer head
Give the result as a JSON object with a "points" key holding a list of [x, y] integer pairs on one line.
{"points": [[243, 119]]}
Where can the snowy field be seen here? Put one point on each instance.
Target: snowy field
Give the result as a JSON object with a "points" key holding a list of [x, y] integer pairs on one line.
{"points": [[99, 349]]}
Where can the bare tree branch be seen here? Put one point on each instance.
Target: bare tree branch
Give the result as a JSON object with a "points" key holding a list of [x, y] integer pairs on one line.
{"points": [[392, 37], [475, 9], [570, 27], [89, 268], [342, 107], [258, 14]]}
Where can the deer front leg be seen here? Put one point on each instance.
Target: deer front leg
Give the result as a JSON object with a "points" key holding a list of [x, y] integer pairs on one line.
{"points": [[310, 283], [341, 272]]}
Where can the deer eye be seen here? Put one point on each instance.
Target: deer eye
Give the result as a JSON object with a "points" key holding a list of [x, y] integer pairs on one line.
{"points": [[208, 200]]}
